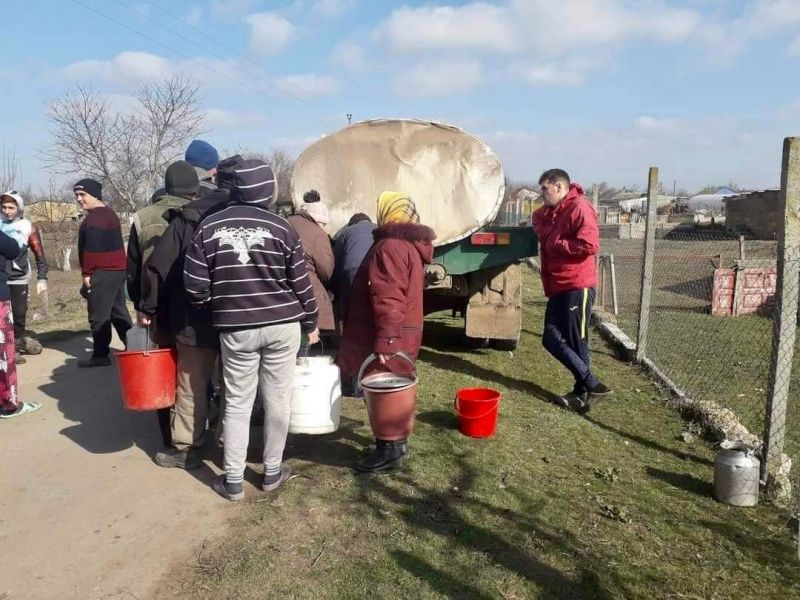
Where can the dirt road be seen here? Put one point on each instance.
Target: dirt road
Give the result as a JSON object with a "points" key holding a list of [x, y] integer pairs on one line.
{"points": [[86, 513]]}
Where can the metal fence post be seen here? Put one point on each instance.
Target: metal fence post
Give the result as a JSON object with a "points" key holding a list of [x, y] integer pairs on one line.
{"points": [[647, 267], [785, 321]]}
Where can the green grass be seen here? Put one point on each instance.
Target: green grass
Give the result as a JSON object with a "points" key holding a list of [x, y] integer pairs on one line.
{"points": [[555, 505], [721, 359]]}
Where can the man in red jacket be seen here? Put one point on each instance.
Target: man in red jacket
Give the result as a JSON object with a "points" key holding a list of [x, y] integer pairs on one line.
{"points": [[569, 239]]}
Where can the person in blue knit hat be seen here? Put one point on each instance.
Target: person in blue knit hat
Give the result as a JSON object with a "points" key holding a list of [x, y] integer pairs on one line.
{"points": [[205, 160]]}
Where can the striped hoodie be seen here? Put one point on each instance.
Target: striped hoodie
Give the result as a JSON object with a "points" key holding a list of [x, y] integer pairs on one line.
{"points": [[248, 262]]}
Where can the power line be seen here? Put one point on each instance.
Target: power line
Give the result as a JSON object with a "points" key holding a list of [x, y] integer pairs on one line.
{"points": [[206, 50], [198, 63]]}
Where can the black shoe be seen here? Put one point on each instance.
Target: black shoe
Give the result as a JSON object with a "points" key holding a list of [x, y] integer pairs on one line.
{"points": [[387, 456], [594, 395], [28, 345], [95, 361], [179, 459], [571, 401], [600, 390]]}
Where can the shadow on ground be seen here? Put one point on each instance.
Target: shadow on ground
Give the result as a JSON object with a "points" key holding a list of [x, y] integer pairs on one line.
{"points": [[683, 481], [466, 523], [638, 439], [90, 398]]}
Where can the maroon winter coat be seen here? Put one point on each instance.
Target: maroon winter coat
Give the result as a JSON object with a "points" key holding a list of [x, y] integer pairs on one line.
{"points": [[385, 313]]}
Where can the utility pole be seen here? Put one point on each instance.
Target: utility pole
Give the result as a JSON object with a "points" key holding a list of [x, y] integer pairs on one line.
{"points": [[349, 118]]}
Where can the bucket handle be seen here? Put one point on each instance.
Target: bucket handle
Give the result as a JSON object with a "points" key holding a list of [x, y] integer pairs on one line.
{"points": [[308, 349], [463, 416], [373, 357], [147, 342]]}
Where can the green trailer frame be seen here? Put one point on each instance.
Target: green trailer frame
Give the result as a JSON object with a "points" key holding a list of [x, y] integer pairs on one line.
{"points": [[462, 257]]}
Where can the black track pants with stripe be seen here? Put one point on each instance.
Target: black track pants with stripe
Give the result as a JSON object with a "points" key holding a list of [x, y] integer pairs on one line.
{"points": [[566, 334]]}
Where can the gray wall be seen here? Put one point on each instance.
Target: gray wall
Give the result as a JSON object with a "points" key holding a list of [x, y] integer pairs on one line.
{"points": [[757, 212]]}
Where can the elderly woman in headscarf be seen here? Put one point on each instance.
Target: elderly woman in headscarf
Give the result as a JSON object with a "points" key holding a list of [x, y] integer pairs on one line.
{"points": [[309, 222], [386, 314]]}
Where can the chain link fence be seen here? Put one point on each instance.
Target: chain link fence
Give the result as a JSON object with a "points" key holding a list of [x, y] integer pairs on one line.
{"points": [[721, 325]]}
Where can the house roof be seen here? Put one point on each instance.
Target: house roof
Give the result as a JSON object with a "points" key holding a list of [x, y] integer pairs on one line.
{"points": [[51, 210]]}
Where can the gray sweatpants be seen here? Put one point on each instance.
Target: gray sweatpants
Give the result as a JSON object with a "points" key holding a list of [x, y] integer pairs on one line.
{"points": [[262, 358]]}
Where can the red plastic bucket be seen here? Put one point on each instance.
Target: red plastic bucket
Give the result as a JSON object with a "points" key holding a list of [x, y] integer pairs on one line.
{"points": [[147, 378], [477, 411]]}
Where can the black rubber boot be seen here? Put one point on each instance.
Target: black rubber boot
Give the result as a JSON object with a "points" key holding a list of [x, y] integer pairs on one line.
{"points": [[95, 361], [387, 456]]}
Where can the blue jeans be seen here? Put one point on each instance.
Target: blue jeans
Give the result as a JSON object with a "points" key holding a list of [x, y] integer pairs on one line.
{"points": [[566, 334]]}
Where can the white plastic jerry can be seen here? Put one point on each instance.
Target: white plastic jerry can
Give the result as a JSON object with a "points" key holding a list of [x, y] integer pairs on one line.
{"points": [[316, 396]]}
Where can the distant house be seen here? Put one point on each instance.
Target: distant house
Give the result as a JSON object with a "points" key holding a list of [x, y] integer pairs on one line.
{"points": [[712, 203], [52, 211], [622, 196], [639, 204], [517, 207]]}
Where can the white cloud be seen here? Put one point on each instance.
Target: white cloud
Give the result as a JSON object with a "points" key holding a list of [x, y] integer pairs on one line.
{"points": [[728, 38], [331, 8], [349, 56], [307, 85], [655, 124], [233, 8], [125, 68], [293, 145], [572, 72], [269, 34], [123, 104], [548, 40], [794, 47], [767, 15], [216, 117], [437, 78], [476, 26], [543, 26], [694, 153], [195, 16]]}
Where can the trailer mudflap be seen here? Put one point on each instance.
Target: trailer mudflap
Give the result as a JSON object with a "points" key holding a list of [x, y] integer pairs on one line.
{"points": [[495, 311]]}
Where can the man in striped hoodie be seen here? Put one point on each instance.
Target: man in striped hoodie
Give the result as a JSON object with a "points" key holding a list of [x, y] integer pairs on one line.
{"points": [[248, 264]]}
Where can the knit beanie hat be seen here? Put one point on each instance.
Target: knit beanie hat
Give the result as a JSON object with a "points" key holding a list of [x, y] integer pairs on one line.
{"points": [[225, 171], [202, 154], [317, 211], [358, 218], [181, 179], [311, 196], [90, 186]]}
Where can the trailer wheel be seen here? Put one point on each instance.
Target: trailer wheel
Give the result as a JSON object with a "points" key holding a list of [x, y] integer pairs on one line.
{"points": [[476, 343], [505, 345]]}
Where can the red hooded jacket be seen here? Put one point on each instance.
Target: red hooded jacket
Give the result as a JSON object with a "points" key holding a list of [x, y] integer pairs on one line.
{"points": [[569, 240], [385, 313]]}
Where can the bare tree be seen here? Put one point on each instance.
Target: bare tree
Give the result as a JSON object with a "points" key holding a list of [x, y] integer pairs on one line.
{"points": [[128, 152], [282, 165], [54, 213], [9, 168]]}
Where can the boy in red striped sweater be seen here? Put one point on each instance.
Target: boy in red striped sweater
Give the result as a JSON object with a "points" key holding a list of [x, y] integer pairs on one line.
{"points": [[103, 266]]}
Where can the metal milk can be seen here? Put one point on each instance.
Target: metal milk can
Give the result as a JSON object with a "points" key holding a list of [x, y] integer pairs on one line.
{"points": [[736, 474]]}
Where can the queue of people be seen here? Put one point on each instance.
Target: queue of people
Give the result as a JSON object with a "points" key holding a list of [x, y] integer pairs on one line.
{"points": [[236, 289]]}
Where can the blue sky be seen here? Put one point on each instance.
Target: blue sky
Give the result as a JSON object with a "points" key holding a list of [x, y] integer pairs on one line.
{"points": [[704, 89]]}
